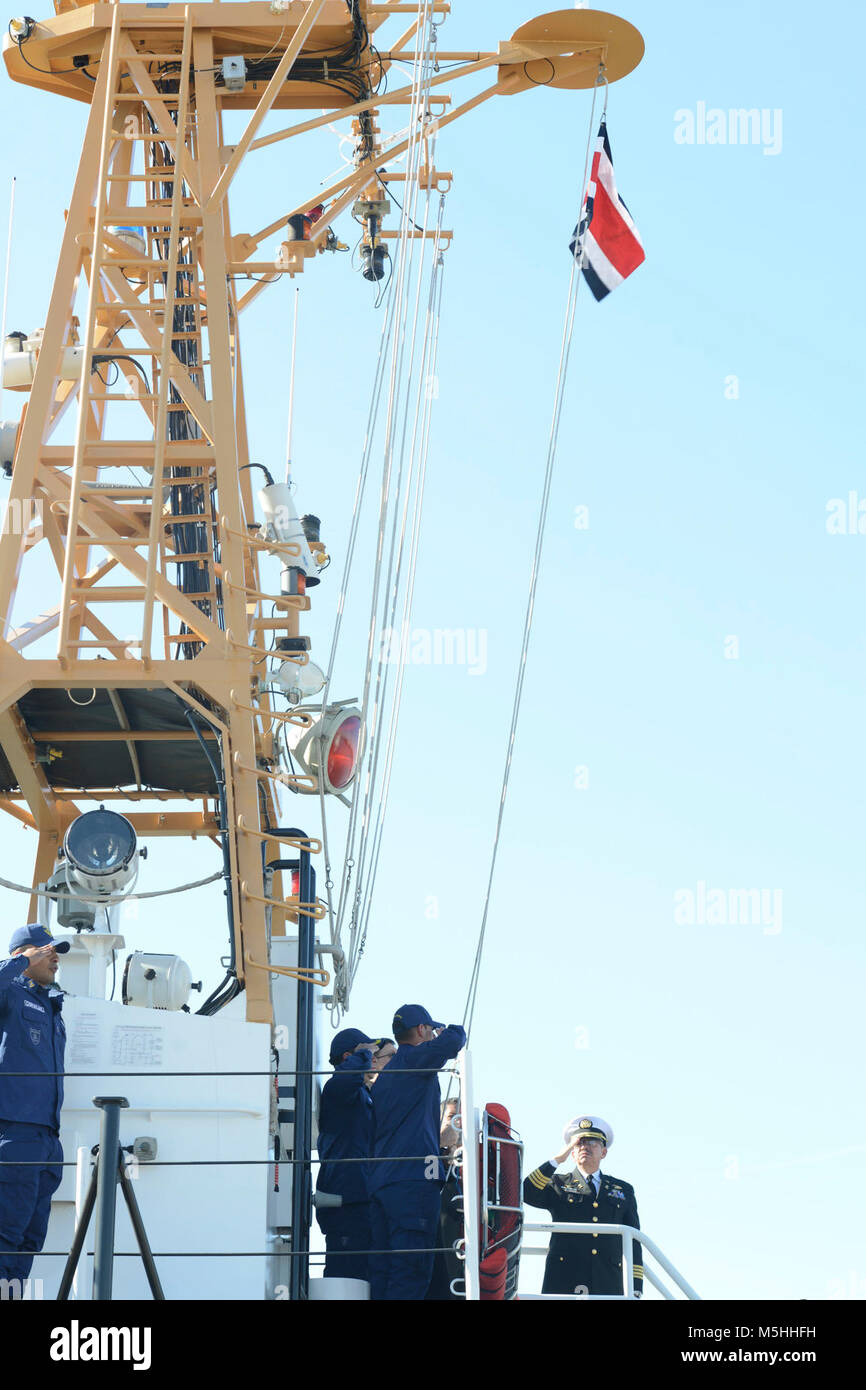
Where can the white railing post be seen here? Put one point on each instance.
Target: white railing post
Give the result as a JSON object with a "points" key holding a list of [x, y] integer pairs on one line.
{"points": [[82, 1181], [627, 1234], [471, 1213]]}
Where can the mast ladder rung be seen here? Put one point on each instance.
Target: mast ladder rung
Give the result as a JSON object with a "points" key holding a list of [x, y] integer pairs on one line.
{"points": [[136, 96], [151, 137], [111, 540], [154, 215], [284, 779], [104, 463], [115, 258], [97, 490], [274, 624], [185, 637], [259, 543], [155, 306], [129, 594], [308, 975], [175, 559], [299, 658], [311, 846], [281, 600], [134, 398], [111, 646], [300, 718], [315, 910]]}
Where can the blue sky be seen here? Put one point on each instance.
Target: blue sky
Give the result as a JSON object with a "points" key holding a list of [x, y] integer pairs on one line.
{"points": [[698, 650]]}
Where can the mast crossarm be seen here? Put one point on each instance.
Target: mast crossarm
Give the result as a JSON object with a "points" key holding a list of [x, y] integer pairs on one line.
{"points": [[266, 101]]}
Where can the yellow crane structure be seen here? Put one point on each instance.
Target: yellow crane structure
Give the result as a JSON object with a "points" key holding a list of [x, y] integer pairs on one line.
{"points": [[106, 717]]}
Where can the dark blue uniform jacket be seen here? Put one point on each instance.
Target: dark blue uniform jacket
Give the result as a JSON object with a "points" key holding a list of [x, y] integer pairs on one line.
{"points": [[32, 1039], [406, 1110], [346, 1129]]}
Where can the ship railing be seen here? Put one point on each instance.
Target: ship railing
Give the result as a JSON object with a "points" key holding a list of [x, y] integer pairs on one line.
{"points": [[628, 1235], [128, 1164]]}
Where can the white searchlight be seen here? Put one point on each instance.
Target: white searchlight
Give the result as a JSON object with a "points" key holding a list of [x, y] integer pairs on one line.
{"points": [[100, 854]]}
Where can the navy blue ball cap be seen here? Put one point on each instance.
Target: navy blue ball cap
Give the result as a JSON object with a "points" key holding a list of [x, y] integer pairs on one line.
{"points": [[410, 1015], [34, 935], [346, 1041]]}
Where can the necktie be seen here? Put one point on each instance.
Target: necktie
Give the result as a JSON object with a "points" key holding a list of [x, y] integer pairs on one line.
{"points": [[591, 1183]]}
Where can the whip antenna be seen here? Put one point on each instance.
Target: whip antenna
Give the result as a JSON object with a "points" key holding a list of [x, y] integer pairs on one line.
{"points": [[6, 276], [292, 391]]}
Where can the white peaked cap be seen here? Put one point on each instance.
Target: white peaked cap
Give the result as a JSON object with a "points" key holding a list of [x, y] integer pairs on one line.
{"points": [[588, 1124]]}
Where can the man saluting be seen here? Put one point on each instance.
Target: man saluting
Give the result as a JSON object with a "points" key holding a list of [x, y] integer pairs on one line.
{"points": [[585, 1263], [32, 1041]]}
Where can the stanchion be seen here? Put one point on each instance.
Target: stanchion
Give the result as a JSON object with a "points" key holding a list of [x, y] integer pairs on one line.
{"points": [[108, 1172]]}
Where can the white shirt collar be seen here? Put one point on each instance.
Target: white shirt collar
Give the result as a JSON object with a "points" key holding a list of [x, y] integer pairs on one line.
{"points": [[594, 1179]]}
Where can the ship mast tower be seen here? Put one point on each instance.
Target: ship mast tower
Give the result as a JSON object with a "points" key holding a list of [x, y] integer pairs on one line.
{"points": [[172, 708]]}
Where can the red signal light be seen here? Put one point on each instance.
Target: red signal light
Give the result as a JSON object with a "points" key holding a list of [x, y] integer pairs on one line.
{"points": [[343, 752], [329, 750]]}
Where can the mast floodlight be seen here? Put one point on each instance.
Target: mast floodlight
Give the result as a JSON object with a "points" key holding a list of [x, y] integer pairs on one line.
{"points": [[299, 682], [101, 854]]}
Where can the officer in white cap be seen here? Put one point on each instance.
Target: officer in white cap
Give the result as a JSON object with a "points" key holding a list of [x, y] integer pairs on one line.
{"points": [[581, 1263]]}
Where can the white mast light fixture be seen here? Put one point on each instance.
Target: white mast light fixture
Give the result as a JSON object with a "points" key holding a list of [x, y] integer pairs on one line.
{"points": [[283, 526], [299, 682], [100, 852], [155, 981]]}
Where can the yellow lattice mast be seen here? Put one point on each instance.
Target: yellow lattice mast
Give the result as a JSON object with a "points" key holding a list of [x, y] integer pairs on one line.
{"points": [[148, 228]]}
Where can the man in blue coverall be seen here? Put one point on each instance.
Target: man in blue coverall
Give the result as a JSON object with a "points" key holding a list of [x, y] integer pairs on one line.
{"points": [[345, 1132], [32, 1040], [405, 1197]]}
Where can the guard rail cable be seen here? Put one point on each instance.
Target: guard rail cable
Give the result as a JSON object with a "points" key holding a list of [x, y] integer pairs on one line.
{"points": [[481, 1154], [111, 1173]]}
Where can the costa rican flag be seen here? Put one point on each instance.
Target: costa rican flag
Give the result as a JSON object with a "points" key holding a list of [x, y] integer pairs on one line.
{"points": [[606, 243]]}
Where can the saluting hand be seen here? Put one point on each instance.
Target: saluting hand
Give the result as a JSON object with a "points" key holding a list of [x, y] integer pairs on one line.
{"points": [[41, 953]]}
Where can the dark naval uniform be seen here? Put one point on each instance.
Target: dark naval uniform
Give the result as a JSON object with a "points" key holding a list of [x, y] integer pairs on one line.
{"points": [[32, 1041], [406, 1197], [345, 1132], [584, 1263]]}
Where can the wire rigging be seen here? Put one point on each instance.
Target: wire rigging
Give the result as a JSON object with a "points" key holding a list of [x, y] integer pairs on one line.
{"points": [[405, 360], [553, 437]]}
